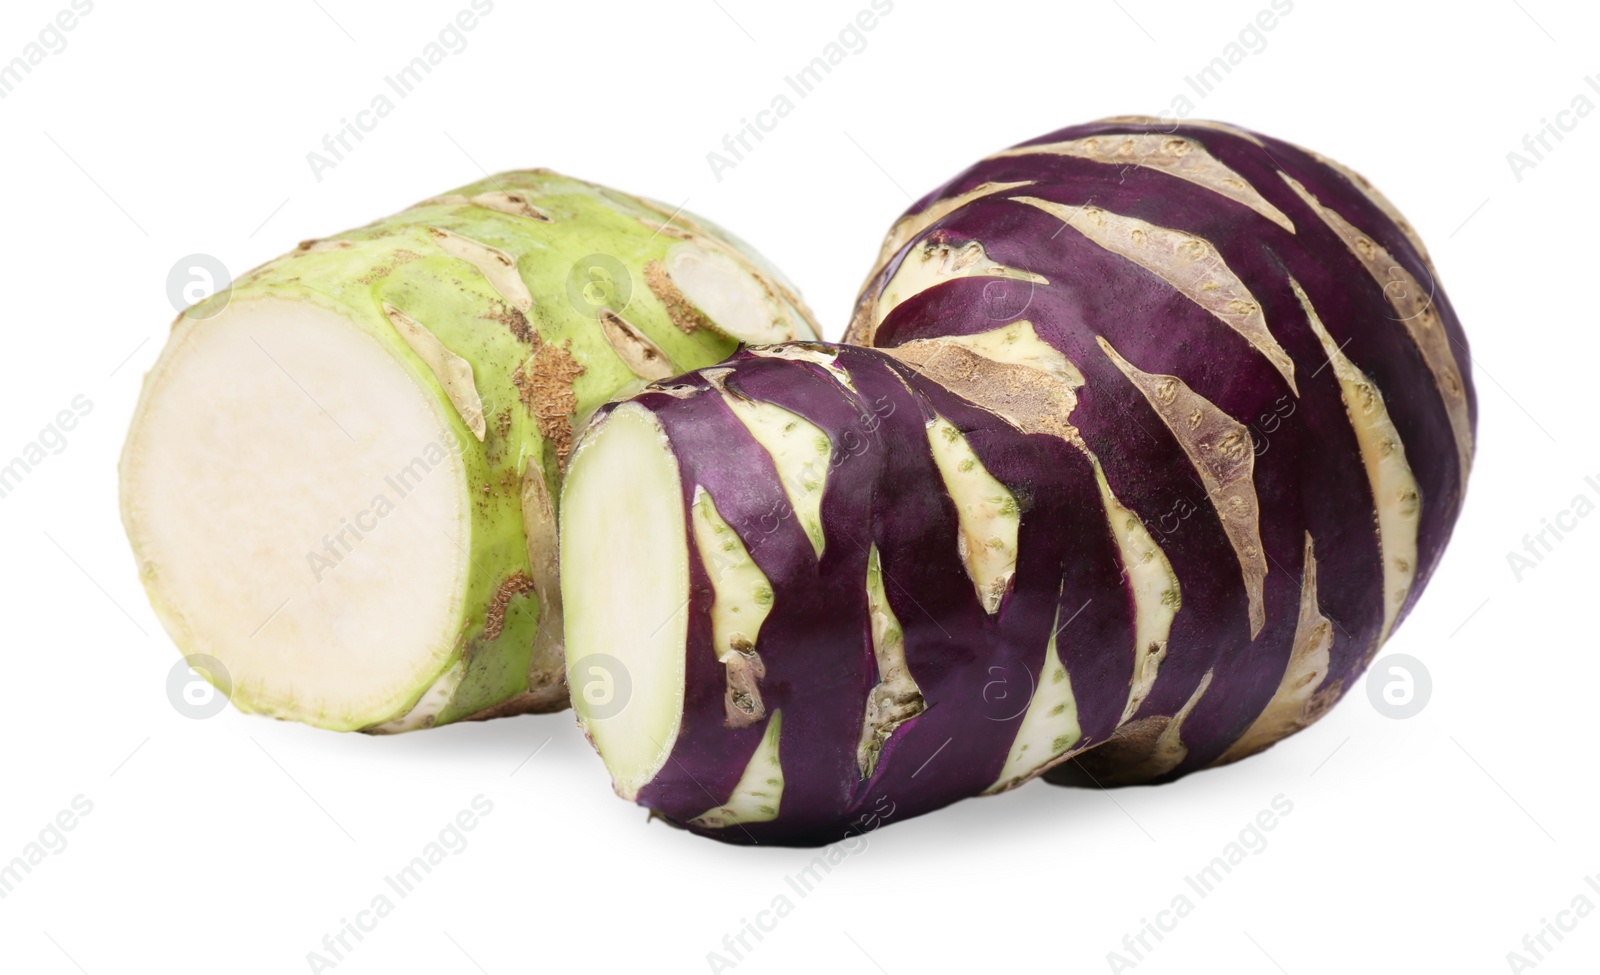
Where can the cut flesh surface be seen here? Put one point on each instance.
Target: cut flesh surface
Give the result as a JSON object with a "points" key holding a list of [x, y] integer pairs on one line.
{"points": [[622, 521], [297, 503]]}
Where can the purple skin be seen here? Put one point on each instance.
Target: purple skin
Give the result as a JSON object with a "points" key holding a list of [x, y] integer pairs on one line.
{"points": [[1309, 477], [977, 671]]}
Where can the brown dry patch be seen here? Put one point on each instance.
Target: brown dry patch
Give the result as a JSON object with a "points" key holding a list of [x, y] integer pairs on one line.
{"points": [[1322, 700], [543, 701], [742, 701], [1139, 752], [547, 666], [318, 244], [1029, 399], [380, 271], [494, 621], [683, 313], [515, 321], [544, 384], [1128, 747], [891, 703], [861, 330]]}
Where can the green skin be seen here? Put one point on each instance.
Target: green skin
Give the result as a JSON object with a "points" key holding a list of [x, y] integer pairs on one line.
{"points": [[398, 262]]}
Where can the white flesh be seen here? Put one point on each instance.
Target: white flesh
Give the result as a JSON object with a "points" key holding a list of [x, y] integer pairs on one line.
{"points": [[988, 514], [1414, 308], [429, 706], [299, 509], [1050, 727], [932, 263], [908, 227], [493, 263], [1156, 596], [801, 453], [453, 372], [759, 791], [743, 595], [728, 294], [1394, 489], [740, 604], [1294, 703], [895, 698], [625, 591]]}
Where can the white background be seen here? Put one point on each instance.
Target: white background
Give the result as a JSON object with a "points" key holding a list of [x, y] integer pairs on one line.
{"points": [[234, 844]]}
